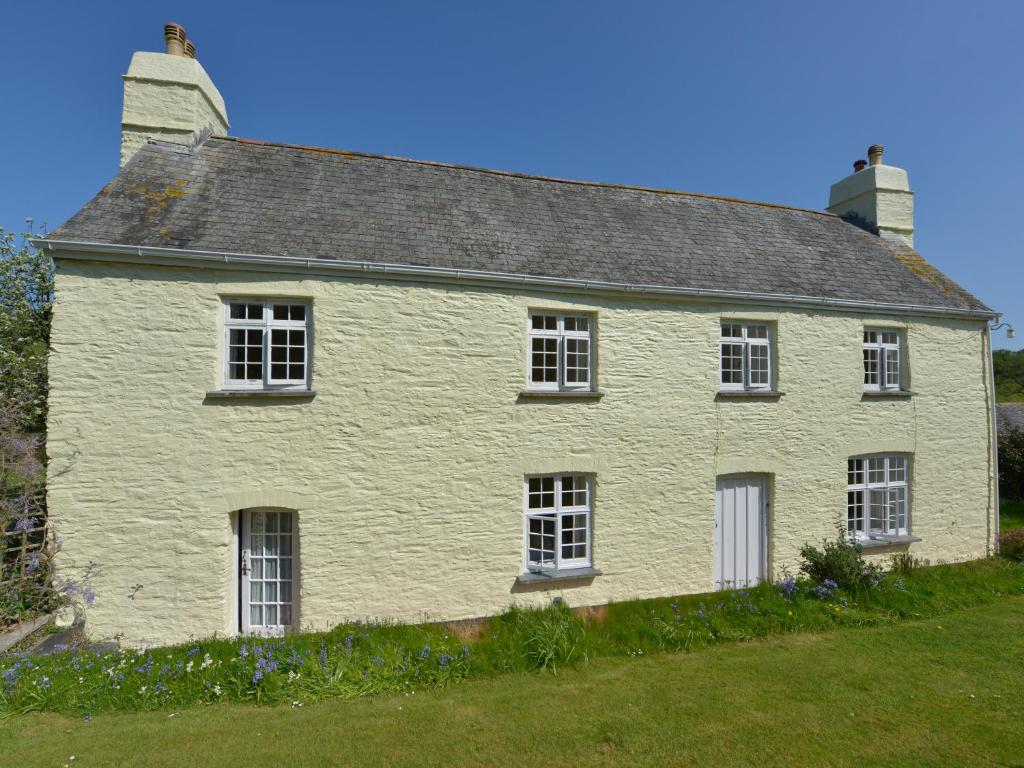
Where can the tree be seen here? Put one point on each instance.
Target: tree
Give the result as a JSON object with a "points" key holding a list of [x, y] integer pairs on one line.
{"points": [[1009, 372], [26, 301]]}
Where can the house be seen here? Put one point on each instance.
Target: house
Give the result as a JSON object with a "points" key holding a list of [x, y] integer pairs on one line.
{"points": [[292, 386]]}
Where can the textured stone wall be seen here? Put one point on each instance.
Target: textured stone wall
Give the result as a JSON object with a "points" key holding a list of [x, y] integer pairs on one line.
{"points": [[168, 98], [407, 467]]}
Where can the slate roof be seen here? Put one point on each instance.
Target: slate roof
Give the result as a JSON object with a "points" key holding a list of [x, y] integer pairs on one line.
{"points": [[1010, 416], [240, 196]]}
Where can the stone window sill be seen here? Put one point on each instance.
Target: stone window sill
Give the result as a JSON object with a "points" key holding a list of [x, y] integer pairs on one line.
{"points": [[261, 393], [885, 393], [887, 541], [553, 576], [555, 394], [768, 394]]}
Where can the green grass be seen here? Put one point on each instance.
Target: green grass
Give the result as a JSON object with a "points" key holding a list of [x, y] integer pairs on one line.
{"points": [[1011, 515], [919, 693], [354, 661]]}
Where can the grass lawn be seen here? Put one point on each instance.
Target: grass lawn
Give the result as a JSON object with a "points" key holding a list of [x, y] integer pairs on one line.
{"points": [[936, 692], [1011, 514]]}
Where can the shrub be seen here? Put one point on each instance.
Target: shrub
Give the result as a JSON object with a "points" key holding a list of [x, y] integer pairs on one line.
{"points": [[840, 562], [535, 638], [1011, 545], [904, 563], [1011, 464]]}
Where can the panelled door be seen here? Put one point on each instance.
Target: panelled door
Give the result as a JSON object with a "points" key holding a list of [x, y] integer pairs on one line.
{"points": [[266, 567], [741, 541]]}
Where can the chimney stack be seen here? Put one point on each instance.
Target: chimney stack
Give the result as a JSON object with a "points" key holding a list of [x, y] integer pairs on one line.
{"points": [[877, 197], [175, 39], [168, 96]]}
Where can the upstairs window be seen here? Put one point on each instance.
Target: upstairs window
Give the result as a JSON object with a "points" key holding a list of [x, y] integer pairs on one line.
{"points": [[266, 344], [746, 356], [876, 497], [882, 369], [561, 348], [557, 522]]}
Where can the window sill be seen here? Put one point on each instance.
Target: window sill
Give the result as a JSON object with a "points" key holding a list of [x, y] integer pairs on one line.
{"points": [[741, 393], [886, 393], [887, 541], [569, 574], [560, 394], [276, 393]]}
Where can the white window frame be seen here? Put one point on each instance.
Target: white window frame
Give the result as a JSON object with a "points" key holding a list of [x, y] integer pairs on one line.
{"points": [[266, 324], [560, 335], [559, 512], [886, 492], [746, 341], [887, 352]]}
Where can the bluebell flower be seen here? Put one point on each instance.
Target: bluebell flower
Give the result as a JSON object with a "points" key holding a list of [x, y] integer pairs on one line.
{"points": [[444, 660], [425, 653], [193, 651], [788, 586]]}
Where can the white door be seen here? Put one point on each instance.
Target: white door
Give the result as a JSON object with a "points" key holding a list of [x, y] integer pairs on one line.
{"points": [[266, 568], [741, 545]]}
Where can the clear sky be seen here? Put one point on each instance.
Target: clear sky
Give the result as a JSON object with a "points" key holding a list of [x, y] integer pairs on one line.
{"points": [[764, 101]]}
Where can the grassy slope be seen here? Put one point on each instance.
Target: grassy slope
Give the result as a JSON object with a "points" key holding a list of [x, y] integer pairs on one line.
{"points": [[1011, 514], [888, 696]]}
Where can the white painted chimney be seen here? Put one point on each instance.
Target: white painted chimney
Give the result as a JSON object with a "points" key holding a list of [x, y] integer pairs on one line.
{"points": [[877, 196], [168, 96]]}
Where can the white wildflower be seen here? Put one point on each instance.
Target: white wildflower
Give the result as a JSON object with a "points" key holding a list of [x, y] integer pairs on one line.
{"points": [[188, 667]]}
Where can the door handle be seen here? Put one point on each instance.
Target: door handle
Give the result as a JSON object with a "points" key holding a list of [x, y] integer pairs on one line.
{"points": [[245, 564]]}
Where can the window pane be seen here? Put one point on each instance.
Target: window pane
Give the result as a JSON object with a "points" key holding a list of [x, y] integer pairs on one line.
{"points": [[271, 615], [855, 472], [759, 374], [871, 366], [876, 470], [870, 337], [544, 322], [877, 511], [541, 545], [890, 337], [732, 363], [256, 615], [577, 361], [286, 615], [855, 512], [757, 331], [544, 360], [892, 367], [897, 469]]}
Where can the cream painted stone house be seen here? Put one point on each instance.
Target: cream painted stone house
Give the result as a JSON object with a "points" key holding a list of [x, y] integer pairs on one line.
{"points": [[293, 386]]}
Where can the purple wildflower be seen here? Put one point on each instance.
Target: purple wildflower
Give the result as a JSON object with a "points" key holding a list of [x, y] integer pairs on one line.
{"points": [[444, 660], [257, 676], [33, 561], [89, 595], [425, 653], [377, 660], [323, 654], [193, 651], [87, 719], [25, 524], [788, 586]]}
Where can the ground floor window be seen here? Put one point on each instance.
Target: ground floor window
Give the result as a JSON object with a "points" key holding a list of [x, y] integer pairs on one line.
{"points": [[877, 496], [557, 525], [266, 568]]}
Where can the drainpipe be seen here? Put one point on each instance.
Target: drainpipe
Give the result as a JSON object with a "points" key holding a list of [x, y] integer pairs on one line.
{"points": [[995, 435]]}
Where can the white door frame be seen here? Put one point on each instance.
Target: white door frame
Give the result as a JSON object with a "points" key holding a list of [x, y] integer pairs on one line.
{"points": [[244, 568], [718, 577]]}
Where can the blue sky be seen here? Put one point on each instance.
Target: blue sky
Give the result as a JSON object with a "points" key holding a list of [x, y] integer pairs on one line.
{"points": [[765, 101]]}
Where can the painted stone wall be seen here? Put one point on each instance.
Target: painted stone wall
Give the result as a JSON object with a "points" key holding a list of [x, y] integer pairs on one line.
{"points": [[407, 467]]}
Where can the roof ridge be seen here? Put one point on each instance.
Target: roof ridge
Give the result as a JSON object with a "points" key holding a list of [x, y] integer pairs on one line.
{"points": [[517, 175]]}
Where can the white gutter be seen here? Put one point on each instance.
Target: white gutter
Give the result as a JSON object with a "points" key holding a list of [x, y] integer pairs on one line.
{"points": [[86, 251]]}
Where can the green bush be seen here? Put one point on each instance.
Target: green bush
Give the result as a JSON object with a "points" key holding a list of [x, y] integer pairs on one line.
{"points": [[534, 638], [1011, 464], [1011, 545], [840, 561]]}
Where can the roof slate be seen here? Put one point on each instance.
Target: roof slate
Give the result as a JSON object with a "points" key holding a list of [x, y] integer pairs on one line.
{"points": [[1010, 416], [239, 196]]}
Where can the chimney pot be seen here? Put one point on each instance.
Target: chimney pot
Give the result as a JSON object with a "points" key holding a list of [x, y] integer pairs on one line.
{"points": [[859, 165], [875, 154], [175, 37], [190, 49]]}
